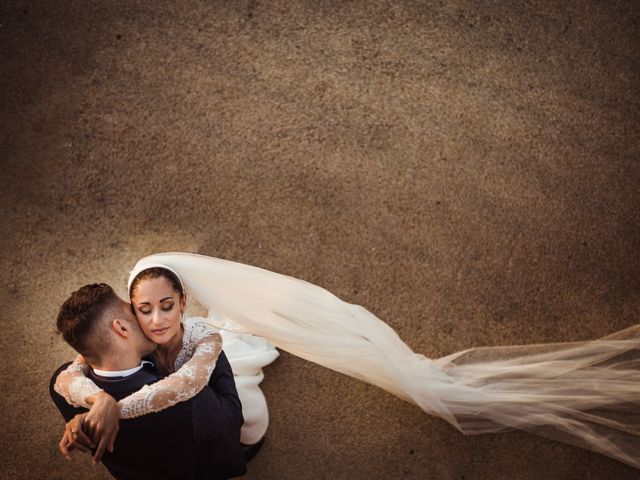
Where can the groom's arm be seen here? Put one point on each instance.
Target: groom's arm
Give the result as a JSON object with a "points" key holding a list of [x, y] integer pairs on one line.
{"points": [[173, 425], [217, 409], [67, 444], [223, 383]]}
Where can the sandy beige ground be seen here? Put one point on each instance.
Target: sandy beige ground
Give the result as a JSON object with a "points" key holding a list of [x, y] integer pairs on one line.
{"points": [[468, 171]]}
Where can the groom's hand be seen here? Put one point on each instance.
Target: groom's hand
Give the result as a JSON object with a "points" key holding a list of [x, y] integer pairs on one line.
{"points": [[102, 423], [74, 438]]}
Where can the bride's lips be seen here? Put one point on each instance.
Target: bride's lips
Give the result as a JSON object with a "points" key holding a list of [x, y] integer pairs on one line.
{"points": [[159, 331]]}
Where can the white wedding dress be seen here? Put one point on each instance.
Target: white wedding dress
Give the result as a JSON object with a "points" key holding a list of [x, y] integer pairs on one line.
{"points": [[562, 391], [247, 355]]}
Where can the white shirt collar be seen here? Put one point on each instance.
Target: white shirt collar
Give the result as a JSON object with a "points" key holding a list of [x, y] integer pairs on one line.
{"points": [[120, 373]]}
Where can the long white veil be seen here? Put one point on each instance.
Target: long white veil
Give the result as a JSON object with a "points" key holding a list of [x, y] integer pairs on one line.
{"points": [[563, 391]]}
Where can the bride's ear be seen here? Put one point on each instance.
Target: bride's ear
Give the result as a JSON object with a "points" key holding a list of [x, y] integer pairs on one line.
{"points": [[183, 303], [120, 327]]}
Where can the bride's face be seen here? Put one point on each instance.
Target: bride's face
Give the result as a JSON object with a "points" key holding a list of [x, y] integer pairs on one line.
{"points": [[158, 308]]}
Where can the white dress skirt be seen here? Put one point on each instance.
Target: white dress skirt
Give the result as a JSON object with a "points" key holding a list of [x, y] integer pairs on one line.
{"points": [[247, 355]]}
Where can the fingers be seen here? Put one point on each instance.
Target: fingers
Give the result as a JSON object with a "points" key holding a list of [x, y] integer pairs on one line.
{"points": [[113, 440], [100, 450], [81, 447], [77, 434], [74, 438], [102, 424], [80, 438], [64, 447], [107, 442]]}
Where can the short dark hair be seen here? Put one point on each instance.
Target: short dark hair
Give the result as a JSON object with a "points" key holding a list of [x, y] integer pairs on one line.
{"points": [[157, 272], [83, 314]]}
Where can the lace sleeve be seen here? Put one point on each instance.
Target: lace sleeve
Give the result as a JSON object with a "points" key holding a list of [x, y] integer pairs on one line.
{"points": [[74, 385], [185, 383]]}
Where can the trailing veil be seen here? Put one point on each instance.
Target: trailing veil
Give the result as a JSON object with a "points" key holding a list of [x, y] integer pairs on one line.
{"points": [[563, 391]]}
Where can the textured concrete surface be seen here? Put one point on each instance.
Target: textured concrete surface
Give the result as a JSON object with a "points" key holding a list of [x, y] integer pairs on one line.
{"points": [[468, 171]]}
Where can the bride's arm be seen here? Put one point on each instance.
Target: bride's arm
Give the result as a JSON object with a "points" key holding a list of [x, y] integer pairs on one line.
{"points": [[182, 385], [74, 386], [80, 391]]}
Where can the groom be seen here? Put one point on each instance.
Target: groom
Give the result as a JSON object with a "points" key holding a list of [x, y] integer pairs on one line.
{"points": [[195, 439]]}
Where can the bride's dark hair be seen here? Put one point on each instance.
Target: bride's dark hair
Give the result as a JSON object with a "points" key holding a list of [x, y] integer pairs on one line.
{"points": [[157, 272]]}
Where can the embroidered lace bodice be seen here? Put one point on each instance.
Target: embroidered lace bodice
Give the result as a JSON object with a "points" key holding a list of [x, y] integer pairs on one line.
{"points": [[201, 346]]}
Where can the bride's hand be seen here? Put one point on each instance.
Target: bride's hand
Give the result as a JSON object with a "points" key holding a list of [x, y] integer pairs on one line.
{"points": [[102, 423], [74, 438]]}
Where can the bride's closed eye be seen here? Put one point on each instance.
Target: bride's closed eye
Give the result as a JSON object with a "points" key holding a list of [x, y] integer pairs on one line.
{"points": [[165, 308]]}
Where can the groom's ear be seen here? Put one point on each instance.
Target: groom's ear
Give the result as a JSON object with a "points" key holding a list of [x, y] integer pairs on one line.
{"points": [[120, 327]]}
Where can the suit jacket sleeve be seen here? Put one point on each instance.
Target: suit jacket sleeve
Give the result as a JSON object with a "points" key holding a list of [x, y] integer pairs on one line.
{"points": [[217, 409]]}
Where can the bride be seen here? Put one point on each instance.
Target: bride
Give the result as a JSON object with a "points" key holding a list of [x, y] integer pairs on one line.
{"points": [[561, 391]]}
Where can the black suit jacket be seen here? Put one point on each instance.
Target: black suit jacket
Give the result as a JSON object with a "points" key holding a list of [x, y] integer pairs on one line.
{"points": [[196, 439]]}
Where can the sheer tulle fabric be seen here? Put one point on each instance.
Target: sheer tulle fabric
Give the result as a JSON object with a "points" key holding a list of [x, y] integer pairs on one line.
{"points": [[564, 391]]}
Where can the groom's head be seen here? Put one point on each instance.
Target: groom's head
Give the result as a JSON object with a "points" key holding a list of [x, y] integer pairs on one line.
{"points": [[98, 324]]}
